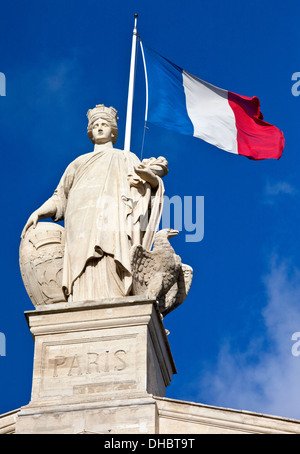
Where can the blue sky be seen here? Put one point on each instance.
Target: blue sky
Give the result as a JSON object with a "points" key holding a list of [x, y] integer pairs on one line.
{"points": [[231, 339]]}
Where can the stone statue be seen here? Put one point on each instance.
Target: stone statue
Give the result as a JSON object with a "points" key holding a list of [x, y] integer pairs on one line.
{"points": [[109, 201], [160, 274], [41, 263]]}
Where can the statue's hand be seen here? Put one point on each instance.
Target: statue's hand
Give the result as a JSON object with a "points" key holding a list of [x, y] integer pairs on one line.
{"points": [[134, 181], [146, 174], [159, 165], [32, 221]]}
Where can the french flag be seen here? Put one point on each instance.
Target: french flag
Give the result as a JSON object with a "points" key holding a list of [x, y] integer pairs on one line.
{"points": [[181, 102]]}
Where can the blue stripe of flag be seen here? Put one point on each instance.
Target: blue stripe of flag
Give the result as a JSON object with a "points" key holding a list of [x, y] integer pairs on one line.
{"points": [[166, 97]]}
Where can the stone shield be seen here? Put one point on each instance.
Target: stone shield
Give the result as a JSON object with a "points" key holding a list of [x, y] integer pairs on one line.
{"points": [[41, 263]]}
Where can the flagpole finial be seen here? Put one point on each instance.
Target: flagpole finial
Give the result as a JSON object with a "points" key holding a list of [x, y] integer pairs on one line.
{"points": [[135, 22], [131, 87]]}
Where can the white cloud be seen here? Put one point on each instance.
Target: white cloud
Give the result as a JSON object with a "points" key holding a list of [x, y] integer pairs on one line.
{"points": [[274, 190], [265, 377], [281, 187]]}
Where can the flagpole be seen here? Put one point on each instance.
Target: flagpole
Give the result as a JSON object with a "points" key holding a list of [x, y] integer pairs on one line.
{"points": [[131, 88]]}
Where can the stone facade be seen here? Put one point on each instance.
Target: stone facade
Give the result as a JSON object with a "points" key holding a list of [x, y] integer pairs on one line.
{"points": [[103, 367], [97, 364]]}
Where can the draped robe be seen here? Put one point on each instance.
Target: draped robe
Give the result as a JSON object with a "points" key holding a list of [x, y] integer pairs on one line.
{"points": [[107, 208]]}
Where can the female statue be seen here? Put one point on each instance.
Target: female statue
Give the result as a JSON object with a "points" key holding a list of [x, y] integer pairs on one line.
{"points": [[109, 201]]}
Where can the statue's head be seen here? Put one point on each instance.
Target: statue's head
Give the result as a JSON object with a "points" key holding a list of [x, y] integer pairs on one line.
{"points": [[108, 114]]}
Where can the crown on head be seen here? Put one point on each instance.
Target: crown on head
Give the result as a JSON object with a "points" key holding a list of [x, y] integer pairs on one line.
{"points": [[100, 110]]}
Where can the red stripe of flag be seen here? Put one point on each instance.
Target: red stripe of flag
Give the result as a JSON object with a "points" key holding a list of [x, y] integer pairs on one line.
{"points": [[256, 138]]}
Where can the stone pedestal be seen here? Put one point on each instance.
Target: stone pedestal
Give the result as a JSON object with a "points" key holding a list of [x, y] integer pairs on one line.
{"points": [[97, 365]]}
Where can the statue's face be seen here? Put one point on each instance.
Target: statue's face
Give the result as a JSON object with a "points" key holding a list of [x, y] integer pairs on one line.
{"points": [[102, 132]]}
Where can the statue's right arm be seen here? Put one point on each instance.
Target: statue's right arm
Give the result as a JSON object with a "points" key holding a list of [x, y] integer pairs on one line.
{"points": [[47, 210], [55, 206]]}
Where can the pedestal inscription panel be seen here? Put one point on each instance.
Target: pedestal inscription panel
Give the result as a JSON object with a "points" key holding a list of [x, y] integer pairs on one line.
{"points": [[87, 366]]}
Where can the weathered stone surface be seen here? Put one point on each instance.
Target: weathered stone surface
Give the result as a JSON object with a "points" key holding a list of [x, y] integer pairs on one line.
{"points": [[96, 358], [8, 422], [115, 417], [160, 273], [103, 367], [181, 417], [153, 415], [41, 263]]}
